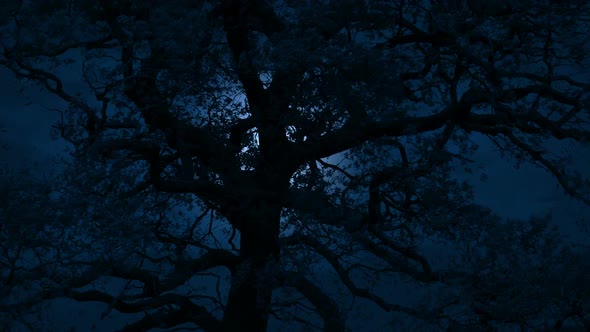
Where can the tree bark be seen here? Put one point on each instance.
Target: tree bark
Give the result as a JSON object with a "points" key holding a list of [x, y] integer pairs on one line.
{"points": [[249, 300]]}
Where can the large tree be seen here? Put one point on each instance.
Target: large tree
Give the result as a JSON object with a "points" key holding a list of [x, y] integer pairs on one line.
{"points": [[316, 133]]}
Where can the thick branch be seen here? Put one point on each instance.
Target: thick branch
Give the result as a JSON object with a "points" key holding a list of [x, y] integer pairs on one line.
{"points": [[188, 311], [354, 133], [334, 320], [333, 260], [319, 206]]}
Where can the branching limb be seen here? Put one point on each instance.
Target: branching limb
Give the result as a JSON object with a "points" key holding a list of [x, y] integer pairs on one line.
{"points": [[344, 276], [334, 320], [557, 173]]}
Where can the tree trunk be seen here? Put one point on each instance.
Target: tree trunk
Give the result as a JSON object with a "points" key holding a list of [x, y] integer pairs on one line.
{"points": [[249, 300]]}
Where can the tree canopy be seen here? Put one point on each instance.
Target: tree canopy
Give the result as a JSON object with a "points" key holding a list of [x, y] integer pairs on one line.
{"points": [[296, 156]]}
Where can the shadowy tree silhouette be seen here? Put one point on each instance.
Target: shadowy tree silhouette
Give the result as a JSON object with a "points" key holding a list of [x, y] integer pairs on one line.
{"points": [[314, 134]]}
